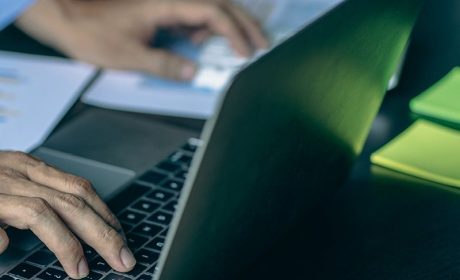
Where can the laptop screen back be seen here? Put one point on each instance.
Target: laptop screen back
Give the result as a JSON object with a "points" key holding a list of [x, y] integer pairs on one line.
{"points": [[285, 137]]}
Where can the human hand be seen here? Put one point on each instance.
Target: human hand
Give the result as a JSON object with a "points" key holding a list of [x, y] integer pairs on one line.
{"points": [[58, 207], [117, 33]]}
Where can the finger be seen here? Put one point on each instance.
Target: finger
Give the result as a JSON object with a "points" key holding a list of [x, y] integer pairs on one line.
{"points": [[81, 219], [35, 214], [200, 36], [4, 241], [43, 174], [165, 64], [209, 14], [249, 25]]}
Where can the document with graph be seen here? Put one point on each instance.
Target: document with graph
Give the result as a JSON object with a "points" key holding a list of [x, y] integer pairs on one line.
{"points": [[35, 93], [217, 62]]}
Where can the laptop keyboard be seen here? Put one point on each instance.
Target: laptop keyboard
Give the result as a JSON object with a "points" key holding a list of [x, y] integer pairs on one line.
{"points": [[145, 210]]}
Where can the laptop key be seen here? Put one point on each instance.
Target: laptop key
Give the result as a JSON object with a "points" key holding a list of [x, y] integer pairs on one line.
{"points": [[168, 167], [135, 241], [173, 185], [131, 217], [189, 147], [146, 256], [148, 229], [146, 206], [58, 264], [6, 277], [181, 158], [153, 177], [25, 270], [100, 265], [113, 276], [182, 175], [43, 258], [160, 195], [161, 217], [145, 277], [127, 196], [126, 227], [156, 244], [164, 233], [137, 270], [52, 274], [171, 206], [90, 253], [93, 276], [152, 269]]}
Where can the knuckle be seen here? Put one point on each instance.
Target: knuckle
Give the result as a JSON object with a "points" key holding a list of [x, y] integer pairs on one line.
{"points": [[82, 187], [28, 162], [37, 208], [8, 173], [108, 235], [111, 219], [70, 202]]}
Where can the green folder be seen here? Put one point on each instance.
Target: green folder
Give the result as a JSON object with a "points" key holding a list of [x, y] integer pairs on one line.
{"points": [[442, 100], [425, 150]]}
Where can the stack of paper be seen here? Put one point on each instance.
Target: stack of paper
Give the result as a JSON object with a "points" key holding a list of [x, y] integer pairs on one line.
{"points": [[35, 93], [441, 101], [425, 150]]}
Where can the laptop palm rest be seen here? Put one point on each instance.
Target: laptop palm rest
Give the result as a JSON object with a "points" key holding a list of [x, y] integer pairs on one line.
{"points": [[105, 178]]}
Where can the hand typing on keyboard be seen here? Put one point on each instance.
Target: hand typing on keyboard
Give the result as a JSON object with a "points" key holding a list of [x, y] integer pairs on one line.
{"points": [[60, 209], [116, 34]]}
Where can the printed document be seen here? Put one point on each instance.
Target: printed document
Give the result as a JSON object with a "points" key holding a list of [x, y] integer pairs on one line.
{"points": [[35, 93]]}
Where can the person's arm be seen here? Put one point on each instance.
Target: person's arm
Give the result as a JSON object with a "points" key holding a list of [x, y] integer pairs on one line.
{"points": [[59, 208], [117, 33]]}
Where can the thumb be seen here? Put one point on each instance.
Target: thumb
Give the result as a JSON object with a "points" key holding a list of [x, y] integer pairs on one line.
{"points": [[4, 241], [166, 64]]}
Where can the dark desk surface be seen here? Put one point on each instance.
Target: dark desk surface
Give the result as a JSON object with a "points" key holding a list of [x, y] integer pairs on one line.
{"points": [[380, 225]]}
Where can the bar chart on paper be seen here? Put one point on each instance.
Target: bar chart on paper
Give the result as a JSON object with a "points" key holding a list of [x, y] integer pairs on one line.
{"points": [[35, 93]]}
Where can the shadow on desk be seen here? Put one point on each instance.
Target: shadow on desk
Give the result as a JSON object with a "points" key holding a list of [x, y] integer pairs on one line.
{"points": [[402, 228]]}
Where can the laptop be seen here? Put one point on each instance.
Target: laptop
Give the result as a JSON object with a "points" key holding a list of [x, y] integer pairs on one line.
{"points": [[283, 140]]}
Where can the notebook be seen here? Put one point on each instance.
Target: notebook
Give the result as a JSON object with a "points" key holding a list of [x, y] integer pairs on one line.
{"points": [[425, 150], [442, 100]]}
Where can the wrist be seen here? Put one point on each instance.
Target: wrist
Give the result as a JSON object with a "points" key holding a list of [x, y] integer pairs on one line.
{"points": [[48, 22]]}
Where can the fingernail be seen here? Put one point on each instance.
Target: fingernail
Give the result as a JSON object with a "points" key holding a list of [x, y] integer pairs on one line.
{"points": [[127, 257], [188, 72], [83, 269]]}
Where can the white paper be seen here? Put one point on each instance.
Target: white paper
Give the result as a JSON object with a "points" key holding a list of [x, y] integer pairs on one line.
{"points": [[217, 65], [35, 93], [10, 9]]}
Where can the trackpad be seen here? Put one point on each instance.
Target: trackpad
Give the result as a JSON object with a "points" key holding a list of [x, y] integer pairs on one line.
{"points": [[106, 178]]}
